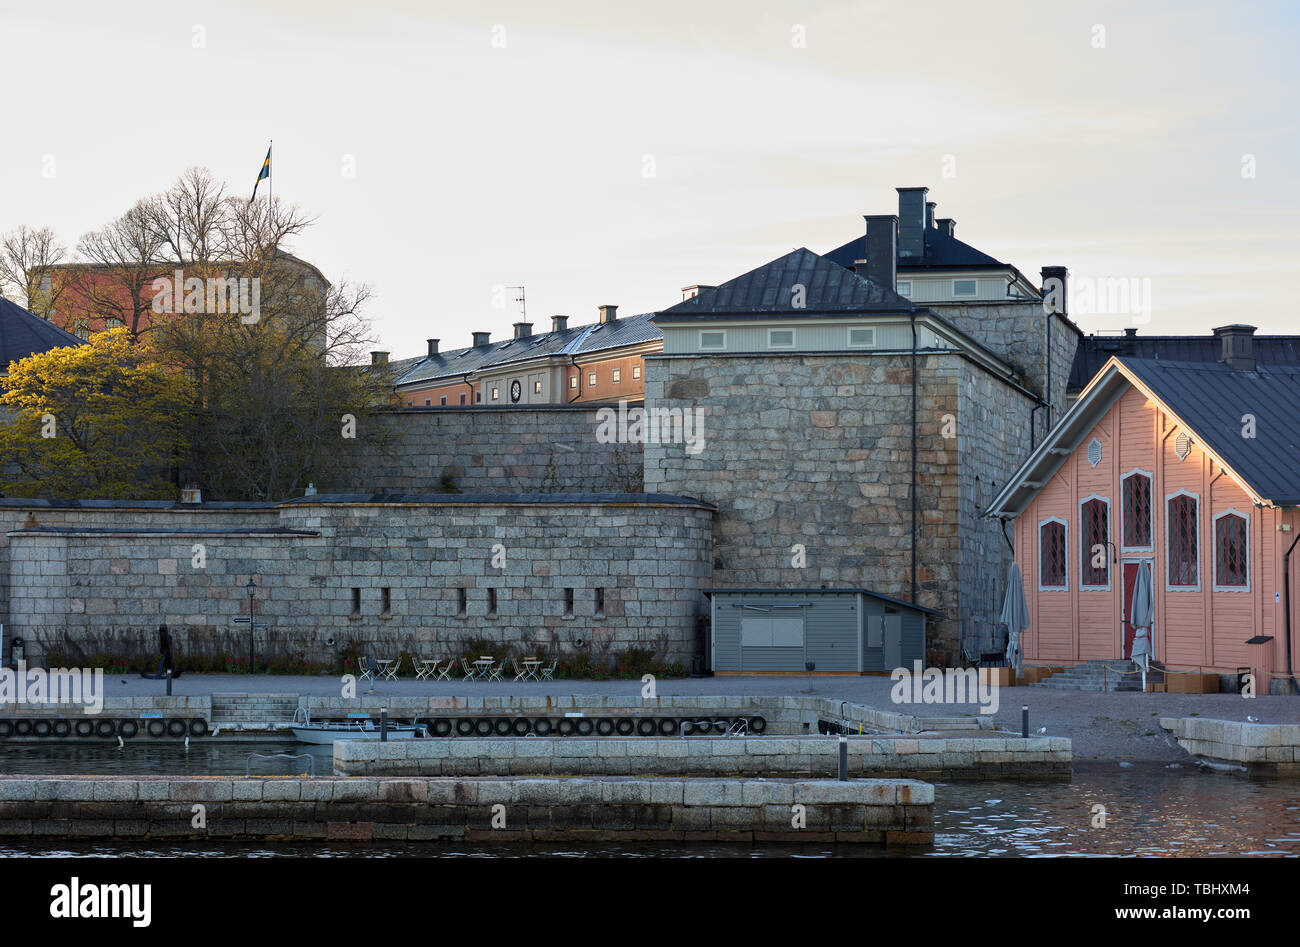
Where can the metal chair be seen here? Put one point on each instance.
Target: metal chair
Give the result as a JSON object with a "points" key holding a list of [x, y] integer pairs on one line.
{"points": [[521, 673], [547, 674], [471, 672], [425, 669], [366, 668], [445, 673], [494, 672]]}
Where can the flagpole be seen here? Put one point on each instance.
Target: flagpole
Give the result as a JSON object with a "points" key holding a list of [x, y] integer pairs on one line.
{"points": [[270, 186]]}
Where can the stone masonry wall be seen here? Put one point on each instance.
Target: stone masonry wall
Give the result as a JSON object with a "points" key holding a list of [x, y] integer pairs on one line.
{"points": [[521, 449], [649, 557], [815, 450]]}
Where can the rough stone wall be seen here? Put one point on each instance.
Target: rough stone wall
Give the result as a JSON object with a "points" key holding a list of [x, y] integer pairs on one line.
{"points": [[1017, 333], [993, 434], [651, 559], [521, 449], [815, 450]]}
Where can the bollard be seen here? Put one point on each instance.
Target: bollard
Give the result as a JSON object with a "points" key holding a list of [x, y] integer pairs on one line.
{"points": [[844, 758], [169, 682], [1024, 721], [810, 666], [383, 726]]}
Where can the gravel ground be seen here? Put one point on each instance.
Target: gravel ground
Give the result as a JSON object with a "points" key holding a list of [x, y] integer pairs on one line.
{"points": [[1112, 726]]}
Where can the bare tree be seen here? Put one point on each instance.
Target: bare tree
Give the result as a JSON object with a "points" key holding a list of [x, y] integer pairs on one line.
{"points": [[27, 260], [125, 259]]}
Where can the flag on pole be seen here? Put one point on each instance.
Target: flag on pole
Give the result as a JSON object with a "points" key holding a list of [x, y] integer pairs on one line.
{"points": [[264, 173]]}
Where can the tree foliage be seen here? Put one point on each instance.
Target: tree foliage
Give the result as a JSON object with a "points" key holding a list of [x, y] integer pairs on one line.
{"points": [[99, 421]]}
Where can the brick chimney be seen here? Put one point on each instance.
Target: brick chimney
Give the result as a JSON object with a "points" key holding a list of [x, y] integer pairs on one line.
{"points": [[523, 330], [433, 347], [911, 223], [559, 323], [378, 359], [881, 264], [481, 339], [608, 314], [1055, 283], [1238, 346]]}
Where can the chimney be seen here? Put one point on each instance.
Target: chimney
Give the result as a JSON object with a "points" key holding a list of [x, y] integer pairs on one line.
{"points": [[608, 314], [378, 359], [559, 323], [690, 292], [946, 225], [1130, 333], [881, 264], [481, 339], [523, 330], [911, 222], [929, 215], [433, 347], [1055, 282], [1238, 346]]}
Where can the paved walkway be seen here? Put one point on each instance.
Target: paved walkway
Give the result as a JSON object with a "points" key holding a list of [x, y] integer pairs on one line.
{"points": [[1110, 726]]}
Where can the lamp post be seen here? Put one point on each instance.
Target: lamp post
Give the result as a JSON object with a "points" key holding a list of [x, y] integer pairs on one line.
{"points": [[251, 587]]}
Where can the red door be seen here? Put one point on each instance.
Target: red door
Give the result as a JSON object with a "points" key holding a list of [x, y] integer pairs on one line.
{"points": [[1130, 579]]}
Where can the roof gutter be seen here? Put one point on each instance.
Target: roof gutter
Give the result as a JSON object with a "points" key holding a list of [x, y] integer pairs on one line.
{"points": [[1286, 598]]}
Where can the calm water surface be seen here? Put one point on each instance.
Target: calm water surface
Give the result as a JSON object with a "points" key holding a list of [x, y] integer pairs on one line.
{"points": [[1150, 811]]}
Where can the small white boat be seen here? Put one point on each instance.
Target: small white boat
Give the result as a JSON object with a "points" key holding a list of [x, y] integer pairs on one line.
{"points": [[367, 729]]}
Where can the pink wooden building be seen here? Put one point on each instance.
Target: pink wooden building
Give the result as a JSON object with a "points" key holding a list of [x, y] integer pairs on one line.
{"points": [[1194, 467]]}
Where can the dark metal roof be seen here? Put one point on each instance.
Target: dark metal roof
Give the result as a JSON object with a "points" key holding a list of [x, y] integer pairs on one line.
{"points": [[1094, 351], [498, 499], [941, 252], [23, 334], [577, 341], [1212, 398], [839, 591], [770, 289]]}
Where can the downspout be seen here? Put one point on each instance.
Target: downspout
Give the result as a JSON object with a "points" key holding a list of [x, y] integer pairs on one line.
{"points": [[1048, 368], [1010, 544], [574, 360], [1286, 597], [913, 491], [468, 384]]}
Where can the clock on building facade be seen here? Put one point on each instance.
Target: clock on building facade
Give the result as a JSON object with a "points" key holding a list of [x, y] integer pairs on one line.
{"points": [[515, 390]]}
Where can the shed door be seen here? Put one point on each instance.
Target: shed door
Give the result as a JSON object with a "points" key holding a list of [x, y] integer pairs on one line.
{"points": [[771, 644], [893, 633]]}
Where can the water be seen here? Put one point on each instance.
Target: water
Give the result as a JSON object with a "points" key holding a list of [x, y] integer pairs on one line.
{"points": [[1150, 811]]}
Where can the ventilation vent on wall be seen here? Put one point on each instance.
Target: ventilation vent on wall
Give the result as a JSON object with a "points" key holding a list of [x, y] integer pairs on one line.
{"points": [[1094, 452], [1182, 446]]}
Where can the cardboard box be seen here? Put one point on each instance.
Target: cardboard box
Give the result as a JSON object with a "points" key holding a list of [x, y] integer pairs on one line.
{"points": [[1192, 683], [1154, 688], [1001, 677]]}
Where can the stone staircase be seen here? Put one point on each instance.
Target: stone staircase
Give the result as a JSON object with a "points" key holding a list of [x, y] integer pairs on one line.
{"points": [[253, 708], [1091, 676]]}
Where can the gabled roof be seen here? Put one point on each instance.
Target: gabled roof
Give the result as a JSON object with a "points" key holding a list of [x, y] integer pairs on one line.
{"points": [[23, 334], [577, 341], [941, 252], [770, 290], [1208, 400], [1094, 351]]}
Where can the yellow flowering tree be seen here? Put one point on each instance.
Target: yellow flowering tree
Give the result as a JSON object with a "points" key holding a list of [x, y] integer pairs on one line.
{"points": [[97, 421]]}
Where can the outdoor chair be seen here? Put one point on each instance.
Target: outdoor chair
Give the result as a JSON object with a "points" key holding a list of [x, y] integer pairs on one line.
{"points": [[366, 669], [445, 673], [521, 673], [494, 672], [547, 673], [471, 672], [425, 669]]}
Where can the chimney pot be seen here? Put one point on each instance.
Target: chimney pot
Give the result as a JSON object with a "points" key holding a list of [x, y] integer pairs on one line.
{"points": [[608, 313], [433, 347], [481, 339], [911, 222], [881, 264], [559, 323], [378, 359], [523, 330], [1238, 346], [1055, 283]]}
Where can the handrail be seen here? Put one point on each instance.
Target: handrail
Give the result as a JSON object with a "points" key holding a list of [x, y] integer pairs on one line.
{"points": [[311, 761]]}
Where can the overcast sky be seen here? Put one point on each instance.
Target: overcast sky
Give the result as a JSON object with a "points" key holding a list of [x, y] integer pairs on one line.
{"points": [[604, 153]]}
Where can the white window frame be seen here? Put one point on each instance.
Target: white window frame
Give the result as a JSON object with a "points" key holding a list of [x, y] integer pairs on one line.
{"points": [[1200, 544], [1109, 526], [574, 381], [1038, 547], [870, 344], [537, 387], [1214, 525], [591, 379], [965, 279], [636, 372], [616, 376], [496, 392], [712, 348], [900, 287], [1151, 548], [774, 345]]}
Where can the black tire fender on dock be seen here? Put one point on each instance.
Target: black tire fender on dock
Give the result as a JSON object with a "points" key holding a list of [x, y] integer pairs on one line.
{"points": [[83, 727], [6, 729], [502, 726], [564, 727], [104, 729], [41, 728], [757, 725], [22, 728], [604, 726], [198, 727], [625, 726], [176, 727], [667, 726], [647, 726], [520, 726], [155, 728], [584, 726], [464, 726], [128, 729], [441, 727], [721, 724], [61, 728], [541, 726], [483, 726]]}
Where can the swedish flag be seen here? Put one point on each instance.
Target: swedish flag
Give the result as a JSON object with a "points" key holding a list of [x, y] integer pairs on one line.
{"points": [[263, 174]]}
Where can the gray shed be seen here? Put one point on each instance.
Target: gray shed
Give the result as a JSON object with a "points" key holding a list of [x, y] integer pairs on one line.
{"points": [[845, 631]]}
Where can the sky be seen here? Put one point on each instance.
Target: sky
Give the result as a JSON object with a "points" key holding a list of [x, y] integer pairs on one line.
{"points": [[601, 153]]}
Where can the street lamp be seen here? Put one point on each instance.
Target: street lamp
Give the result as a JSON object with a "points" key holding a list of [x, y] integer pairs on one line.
{"points": [[251, 588]]}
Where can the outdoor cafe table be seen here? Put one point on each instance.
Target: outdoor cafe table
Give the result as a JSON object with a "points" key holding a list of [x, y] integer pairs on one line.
{"points": [[484, 664], [530, 667]]}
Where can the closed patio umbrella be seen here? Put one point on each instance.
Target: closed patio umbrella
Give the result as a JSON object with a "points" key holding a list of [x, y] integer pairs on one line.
{"points": [[1015, 614], [1141, 617]]}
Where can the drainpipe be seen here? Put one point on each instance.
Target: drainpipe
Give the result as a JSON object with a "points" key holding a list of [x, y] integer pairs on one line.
{"points": [[1010, 544], [574, 360], [913, 492], [1286, 585]]}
